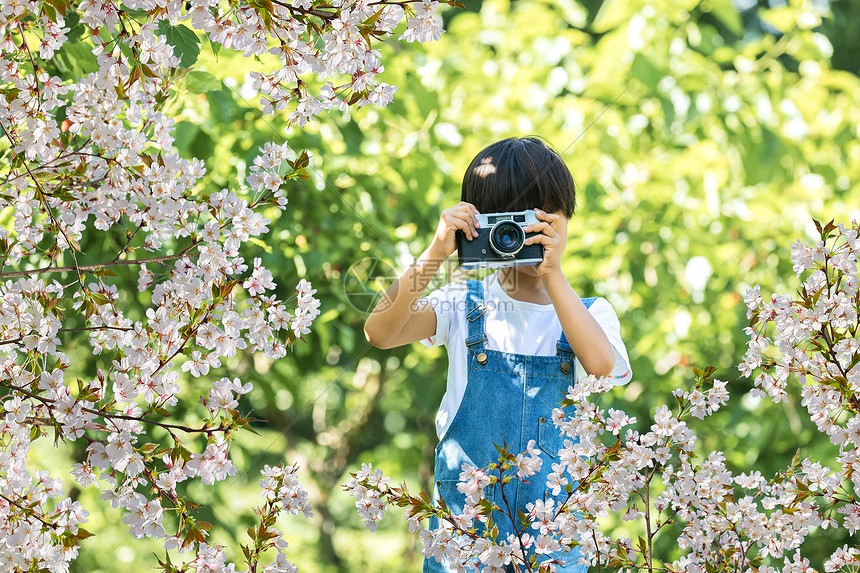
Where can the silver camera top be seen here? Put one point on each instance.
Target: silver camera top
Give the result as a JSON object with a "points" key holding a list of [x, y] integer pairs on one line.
{"points": [[523, 218]]}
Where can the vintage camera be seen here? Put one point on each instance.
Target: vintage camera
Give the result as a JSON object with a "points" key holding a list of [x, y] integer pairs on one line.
{"points": [[500, 242]]}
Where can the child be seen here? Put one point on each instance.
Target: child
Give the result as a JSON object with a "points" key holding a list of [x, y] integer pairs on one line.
{"points": [[512, 338]]}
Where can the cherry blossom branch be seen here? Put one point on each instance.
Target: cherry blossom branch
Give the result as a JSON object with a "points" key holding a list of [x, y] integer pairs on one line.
{"points": [[27, 511], [60, 188], [510, 515], [108, 415], [131, 237], [187, 429], [190, 335], [574, 490], [43, 199], [32, 62], [402, 3], [597, 546], [63, 160], [97, 328], [327, 16], [82, 329], [99, 266], [647, 493]]}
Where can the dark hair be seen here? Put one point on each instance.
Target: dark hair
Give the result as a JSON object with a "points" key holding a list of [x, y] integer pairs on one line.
{"points": [[518, 174]]}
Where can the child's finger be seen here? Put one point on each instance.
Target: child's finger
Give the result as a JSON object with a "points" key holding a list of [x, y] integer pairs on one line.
{"points": [[542, 239], [542, 227], [469, 205], [471, 220], [551, 218], [462, 221], [468, 209]]}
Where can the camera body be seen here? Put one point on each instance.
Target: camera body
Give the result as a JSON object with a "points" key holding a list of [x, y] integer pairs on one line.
{"points": [[500, 242]]}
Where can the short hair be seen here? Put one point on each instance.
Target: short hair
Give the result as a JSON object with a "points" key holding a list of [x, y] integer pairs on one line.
{"points": [[519, 174]]}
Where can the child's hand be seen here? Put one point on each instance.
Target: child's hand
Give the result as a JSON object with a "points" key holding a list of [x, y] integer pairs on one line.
{"points": [[553, 236], [459, 217]]}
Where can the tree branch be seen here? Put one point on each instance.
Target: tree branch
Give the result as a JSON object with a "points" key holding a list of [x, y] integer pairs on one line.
{"points": [[83, 329], [97, 266], [31, 512], [510, 515], [647, 491], [597, 547], [107, 415]]}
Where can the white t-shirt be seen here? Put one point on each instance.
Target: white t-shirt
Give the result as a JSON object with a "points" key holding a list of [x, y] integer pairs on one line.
{"points": [[512, 326]]}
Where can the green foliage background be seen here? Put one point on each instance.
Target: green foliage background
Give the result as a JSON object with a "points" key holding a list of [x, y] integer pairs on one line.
{"points": [[717, 138]]}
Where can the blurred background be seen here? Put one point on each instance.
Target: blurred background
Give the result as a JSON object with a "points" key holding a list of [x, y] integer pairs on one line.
{"points": [[704, 136]]}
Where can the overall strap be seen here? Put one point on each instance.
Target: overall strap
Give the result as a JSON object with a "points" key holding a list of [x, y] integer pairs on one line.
{"points": [[475, 309], [564, 351]]}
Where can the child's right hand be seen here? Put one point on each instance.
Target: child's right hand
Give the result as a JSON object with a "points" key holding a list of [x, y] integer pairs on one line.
{"points": [[459, 217]]}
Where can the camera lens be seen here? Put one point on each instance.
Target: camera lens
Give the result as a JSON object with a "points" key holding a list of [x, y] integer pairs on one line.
{"points": [[507, 238]]}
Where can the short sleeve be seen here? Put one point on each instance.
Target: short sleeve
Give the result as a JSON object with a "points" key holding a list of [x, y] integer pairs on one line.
{"points": [[605, 316], [445, 303]]}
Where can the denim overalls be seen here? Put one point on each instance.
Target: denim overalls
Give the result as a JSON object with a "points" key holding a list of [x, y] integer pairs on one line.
{"points": [[508, 397]]}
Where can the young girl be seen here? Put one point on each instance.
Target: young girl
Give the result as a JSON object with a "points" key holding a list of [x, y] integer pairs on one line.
{"points": [[516, 340]]}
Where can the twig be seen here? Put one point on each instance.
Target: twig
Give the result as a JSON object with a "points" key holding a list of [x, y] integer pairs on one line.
{"points": [[32, 513], [127, 243], [513, 521], [650, 535], [48, 403], [597, 547], [97, 266], [312, 12], [43, 199], [32, 61], [82, 329]]}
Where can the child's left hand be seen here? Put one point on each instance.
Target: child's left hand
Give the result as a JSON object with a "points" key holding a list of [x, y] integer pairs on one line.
{"points": [[553, 236]]}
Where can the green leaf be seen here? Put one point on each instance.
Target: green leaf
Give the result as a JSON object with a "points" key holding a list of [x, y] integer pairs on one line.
{"points": [[260, 243], [186, 44], [82, 534], [761, 158], [782, 17], [646, 72], [199, 82], [215, 47], [76, 59], [222, 105], [76, 29], [136, 14], [524, 519], [148, 448], [184, 133], [818, 226], [99, 298], [611, 14], [728, 15]]}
